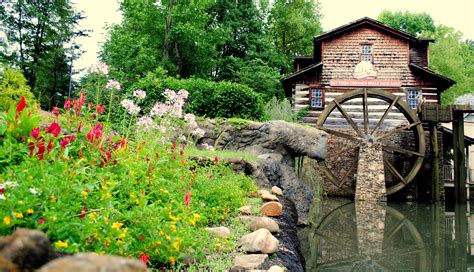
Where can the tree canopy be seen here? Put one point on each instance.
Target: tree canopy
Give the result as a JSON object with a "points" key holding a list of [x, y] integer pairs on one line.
{"points": [[39, 37]]}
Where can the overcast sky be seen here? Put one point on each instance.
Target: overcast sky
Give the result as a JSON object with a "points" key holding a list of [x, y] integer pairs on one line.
{"points": [[455, 13]]}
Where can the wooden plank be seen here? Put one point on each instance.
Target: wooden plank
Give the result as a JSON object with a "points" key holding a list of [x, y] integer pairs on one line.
{"points": [[387, 111], [366, 113], [459, 157], [394, 171], [348, 118], [435, 171]]}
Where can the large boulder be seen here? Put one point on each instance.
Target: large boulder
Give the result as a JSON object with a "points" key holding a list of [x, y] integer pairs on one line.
{"points": [[91, 262], [25, 250], [260, 240]]}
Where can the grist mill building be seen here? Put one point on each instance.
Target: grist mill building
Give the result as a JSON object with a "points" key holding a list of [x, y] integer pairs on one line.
{"points": [[366, 81]]}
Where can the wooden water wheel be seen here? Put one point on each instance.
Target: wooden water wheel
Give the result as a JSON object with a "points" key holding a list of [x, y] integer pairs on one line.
{"points": [[368, 115]]}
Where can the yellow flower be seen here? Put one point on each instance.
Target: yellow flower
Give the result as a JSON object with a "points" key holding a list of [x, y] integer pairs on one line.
{"points": [[92, 216], [172, 260], [18, 215], [61, 244], [137, 202], [176, 245], [121, 235], [172, 217], [7, 220], [218, 245], [20, 202], [161, 233], [117, 225], [168, 237], [30, 211], [84, 194], [53, 199]]}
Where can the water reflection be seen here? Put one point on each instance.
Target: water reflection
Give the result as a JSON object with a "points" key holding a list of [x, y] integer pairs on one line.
{"points": [[389, 237]]}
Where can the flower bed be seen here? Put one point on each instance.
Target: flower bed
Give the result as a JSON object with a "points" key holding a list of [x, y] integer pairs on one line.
{"points": [[91, 189]]}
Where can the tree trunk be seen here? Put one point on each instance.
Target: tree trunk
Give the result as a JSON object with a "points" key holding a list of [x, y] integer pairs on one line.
{"points": [[169, 26]]}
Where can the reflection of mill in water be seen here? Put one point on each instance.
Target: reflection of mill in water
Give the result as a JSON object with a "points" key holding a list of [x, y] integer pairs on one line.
{"points": [[368, 236]]}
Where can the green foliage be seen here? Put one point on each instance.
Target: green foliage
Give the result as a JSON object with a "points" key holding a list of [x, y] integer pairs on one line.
{"points": [[279, 110], [13, 86], [292, 26], [413, 23], [37, 33], [263, 79]]}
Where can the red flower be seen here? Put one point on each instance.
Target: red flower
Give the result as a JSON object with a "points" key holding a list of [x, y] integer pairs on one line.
{"points": [[2, 191], [79, 127], [123, 143], [91, 105], [100, 109], [92, 116], [35, 133], [216, 159], [83, 212], [144, 258], [41, 149], [141, 237], [187, 198], [82, 99], [21, 105], [55, 111], [41, 221], [67, 104], [173, 147], [64, 141], [31, 146], [54, 129], [73, 138], [50, 145], [95, 133]]}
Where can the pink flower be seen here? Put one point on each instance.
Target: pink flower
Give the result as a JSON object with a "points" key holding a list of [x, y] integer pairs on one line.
{"points": [[144, 258], [67, 104], [94, 133], [2, 191], [100, 68], [100, 109], [41, 221], [187, 198], [55, 111], [54, 129], [35, 133], [139, 94]]}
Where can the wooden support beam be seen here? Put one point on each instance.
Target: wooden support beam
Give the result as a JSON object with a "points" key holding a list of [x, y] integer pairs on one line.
{"points": [[459, 157], [460, 233], [435, 176]]}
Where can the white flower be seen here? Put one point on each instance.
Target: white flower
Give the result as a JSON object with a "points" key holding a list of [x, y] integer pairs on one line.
{"points": [[100, 68], [208, 147], [33, 191], [145, 122], [130, 106], [198, 132], [182, 138], [139, 94], [183, 94], [112, 84], [170, 95], [190, 118], [159, 109]]}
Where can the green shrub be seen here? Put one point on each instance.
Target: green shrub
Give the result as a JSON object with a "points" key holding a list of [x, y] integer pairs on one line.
{"points": [[207, 98], [13, 86], [279, 110]]}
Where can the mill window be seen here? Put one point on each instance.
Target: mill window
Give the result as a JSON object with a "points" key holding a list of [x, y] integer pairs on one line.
{"points": [[366, 54], [317, 97], [413, 97]]}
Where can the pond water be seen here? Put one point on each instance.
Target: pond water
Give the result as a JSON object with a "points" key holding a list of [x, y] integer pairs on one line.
{"points": [[347, 236]]}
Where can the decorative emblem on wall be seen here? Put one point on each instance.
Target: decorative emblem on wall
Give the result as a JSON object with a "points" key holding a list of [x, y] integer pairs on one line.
{"points": [[364, 70]]}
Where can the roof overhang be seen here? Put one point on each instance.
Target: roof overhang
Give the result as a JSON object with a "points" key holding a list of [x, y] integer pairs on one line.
{"points": [[287, 81], [443, 81]]}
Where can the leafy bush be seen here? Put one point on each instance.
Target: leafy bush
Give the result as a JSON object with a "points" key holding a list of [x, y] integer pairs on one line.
{"points": [[207, 98], [13, 86], [279, 110], [94, 190]]}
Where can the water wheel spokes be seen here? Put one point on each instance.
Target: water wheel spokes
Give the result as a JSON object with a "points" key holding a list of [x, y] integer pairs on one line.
{"points": [[375, 116]]}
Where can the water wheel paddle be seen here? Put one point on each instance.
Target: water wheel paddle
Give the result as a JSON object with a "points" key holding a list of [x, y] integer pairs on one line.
{"points": [[368, 115]]}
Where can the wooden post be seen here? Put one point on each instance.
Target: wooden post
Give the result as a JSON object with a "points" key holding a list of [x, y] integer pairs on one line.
{"points": [[461, 236], [459, 157], [434, 147]]}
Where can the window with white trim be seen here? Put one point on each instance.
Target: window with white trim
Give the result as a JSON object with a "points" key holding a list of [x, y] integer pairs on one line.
{"points": [[317, 97], [413, 98], [366, 52]]}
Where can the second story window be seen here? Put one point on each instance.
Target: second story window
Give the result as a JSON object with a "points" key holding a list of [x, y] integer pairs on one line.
{"points": [[413, 98], [366, 53], [317, 98]]}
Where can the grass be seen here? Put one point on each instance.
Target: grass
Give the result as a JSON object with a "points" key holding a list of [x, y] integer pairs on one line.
{"points": [[221, 154]]}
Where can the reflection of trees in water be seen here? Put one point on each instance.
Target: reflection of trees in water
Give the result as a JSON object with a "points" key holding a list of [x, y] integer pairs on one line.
{"points": [[351, 238]]}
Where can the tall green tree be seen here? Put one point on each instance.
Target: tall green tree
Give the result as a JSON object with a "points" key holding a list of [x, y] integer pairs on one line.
{"points": [[450, 55], [292, 25], [37, 33]]}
